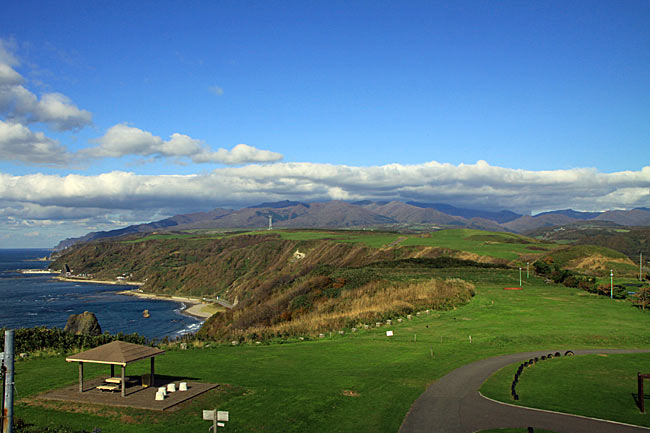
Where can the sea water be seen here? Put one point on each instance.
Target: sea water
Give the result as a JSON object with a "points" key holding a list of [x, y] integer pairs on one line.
{"points": [[28, 300]]}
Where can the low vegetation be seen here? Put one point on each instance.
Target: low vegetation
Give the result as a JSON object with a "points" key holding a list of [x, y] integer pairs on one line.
{"points": [[42, 339], [322, 304]]}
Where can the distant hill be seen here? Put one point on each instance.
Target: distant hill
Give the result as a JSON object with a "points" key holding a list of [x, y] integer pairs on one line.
{"points": [[500, 217], [572, 214], [394, 215], [145, 228], [525, 223], [628, 240], [634, 217]]}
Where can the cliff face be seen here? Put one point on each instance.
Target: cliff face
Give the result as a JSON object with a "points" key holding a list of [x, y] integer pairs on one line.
{"points": [[229, 267]]}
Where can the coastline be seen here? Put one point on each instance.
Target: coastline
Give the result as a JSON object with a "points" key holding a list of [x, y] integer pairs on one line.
{"points": [[195, 307], [84, 280]]}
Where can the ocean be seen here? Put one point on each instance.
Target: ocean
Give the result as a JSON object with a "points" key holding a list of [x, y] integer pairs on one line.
{"points": [[28, 300]]}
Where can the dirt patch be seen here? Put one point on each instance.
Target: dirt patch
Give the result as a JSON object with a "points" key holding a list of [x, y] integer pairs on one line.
{"points": [[350, 393], [86, 409]]}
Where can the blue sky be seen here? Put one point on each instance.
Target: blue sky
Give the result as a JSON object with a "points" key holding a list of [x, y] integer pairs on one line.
{"points": [[114, 113]]}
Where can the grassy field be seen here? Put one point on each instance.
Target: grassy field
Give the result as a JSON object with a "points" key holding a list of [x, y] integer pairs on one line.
{"points": [[359, 382], [599, 386], [503, 245]]}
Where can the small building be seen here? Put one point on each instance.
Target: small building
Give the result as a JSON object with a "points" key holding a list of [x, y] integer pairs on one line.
{"points": [[116, 353]]}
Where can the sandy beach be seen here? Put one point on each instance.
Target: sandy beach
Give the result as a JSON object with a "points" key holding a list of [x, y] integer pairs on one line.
{"points": [[195, 307], [113, 282]]}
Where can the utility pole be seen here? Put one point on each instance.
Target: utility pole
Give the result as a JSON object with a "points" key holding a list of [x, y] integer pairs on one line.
{"points": [[640, 266], [520, 277], [8, 407]]}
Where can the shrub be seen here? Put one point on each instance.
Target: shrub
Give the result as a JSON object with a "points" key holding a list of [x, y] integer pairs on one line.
{"points": [[642, 298]]}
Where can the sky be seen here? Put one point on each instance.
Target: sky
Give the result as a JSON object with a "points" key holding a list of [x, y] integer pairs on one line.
{"points": [[115, 113]]}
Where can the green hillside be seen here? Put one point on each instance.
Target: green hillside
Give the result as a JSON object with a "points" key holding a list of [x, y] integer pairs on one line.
{"points": [[322, 385]]}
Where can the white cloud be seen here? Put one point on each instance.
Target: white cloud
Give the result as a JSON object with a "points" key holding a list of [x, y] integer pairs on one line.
{"points": [[8, 76], [216, 90], [20, 105], [240, 154], [123, 140], [18, 143], [474, 185]]}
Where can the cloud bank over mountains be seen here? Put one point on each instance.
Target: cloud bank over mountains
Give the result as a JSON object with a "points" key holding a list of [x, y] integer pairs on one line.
{"points": [[477, 185]]}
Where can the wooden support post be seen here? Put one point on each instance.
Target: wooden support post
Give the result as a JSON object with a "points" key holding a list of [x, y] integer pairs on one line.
{"points": [[640, 378], [153, 373], [81, 377], [123, 381], [112, 370]]}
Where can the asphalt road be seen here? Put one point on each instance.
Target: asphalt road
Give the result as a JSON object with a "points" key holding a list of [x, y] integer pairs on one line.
{"points": [[454, 405]]}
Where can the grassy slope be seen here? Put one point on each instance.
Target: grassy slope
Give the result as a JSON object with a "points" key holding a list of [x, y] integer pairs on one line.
{"points": [[299, 387], [502, 245], [600, 386]]}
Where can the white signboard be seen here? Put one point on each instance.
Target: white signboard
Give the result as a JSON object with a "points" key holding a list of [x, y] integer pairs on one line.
{"points": [[208, 415], [389, 333], [222, 415]]}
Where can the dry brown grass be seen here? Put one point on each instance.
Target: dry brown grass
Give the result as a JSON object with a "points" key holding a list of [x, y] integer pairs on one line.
{"points": [[597, 263], [378, 300]]}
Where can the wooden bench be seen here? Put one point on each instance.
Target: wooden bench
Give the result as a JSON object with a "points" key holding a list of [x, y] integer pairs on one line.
{"points": [[108, 388]]}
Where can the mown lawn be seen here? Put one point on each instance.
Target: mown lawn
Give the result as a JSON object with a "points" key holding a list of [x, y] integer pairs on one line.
{"points": [[599, 386], [361, 382]]}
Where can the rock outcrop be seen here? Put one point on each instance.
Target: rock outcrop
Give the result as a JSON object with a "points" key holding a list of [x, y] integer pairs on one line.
{"points": [[83, 324]]}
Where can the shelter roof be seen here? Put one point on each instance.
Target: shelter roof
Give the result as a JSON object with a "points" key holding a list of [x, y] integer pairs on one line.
{"points": [[116, 352]]}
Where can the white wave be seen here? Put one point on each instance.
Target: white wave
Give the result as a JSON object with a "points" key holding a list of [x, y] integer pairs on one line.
{"points": [[189, 329]]}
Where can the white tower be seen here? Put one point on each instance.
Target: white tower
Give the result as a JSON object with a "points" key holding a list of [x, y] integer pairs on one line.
{"points": [[270, 222]]}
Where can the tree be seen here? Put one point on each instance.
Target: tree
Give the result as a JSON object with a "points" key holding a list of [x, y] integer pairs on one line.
{"points": [[642, 298]]}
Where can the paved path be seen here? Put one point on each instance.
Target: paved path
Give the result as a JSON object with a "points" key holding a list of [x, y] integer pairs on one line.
{"points": [[453, 404]]}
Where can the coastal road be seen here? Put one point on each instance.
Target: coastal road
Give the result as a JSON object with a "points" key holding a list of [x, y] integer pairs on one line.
{"points": [[453, 404], [220, 302]]}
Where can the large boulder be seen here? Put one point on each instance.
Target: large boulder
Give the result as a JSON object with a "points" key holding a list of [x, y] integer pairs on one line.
{"points": [[83, 324]]}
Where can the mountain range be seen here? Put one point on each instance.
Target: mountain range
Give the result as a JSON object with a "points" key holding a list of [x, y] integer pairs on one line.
{"points": [[369, 214]]}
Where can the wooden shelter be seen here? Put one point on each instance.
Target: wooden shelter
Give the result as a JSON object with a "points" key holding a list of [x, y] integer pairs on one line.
{"points": [[115, 353]]}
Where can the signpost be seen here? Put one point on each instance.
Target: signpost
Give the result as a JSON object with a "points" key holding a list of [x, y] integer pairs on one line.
{"points": [[218, 418], [3, 371], [8, 391]]}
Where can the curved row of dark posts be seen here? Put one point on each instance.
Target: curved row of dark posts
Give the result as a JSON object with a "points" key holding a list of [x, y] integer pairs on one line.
{"points": [[531, 362]]}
